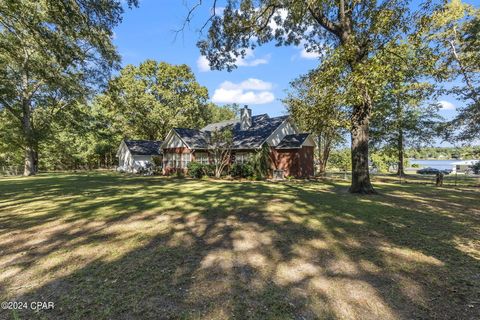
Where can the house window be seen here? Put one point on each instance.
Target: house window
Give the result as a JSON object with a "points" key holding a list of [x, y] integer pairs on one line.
{"points": [[202, 157], [242, 157], [185, 159], [177, 160]]}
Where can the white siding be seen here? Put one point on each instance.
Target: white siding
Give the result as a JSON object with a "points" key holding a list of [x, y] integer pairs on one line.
{"points": [[126, 161], [284, 129], [173, 141], [309, 142], [125, 158], [142, 158]]}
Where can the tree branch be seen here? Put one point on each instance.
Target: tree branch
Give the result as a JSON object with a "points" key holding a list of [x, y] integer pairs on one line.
{"points": [[322, 19], [10, 109]]}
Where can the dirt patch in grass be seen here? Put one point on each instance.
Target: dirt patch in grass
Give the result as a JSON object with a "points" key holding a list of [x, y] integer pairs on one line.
{"points": [[104, 246]]}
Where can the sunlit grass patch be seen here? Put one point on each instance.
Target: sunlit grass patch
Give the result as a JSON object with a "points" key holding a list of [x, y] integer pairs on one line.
{"points": [[110, 246]]}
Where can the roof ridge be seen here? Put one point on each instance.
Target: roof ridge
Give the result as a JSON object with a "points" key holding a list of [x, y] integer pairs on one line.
{"points": [[142, 140]]}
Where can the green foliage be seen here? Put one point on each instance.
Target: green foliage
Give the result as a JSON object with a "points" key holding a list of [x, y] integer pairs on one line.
{"points": [[49, 63], [157, 161], [220, 148], [382, 161], [452, 31], [340, 160], [402, 116], [260, 162], [11, 154], [157, 164], [197, 170], [476, 168], [349, 36], [316, 107], [154, 97], [242, 170], [179, 174], [85, 137], [220, 113]]}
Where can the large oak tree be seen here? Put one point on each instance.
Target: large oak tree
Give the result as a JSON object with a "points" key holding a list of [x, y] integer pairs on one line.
{"points": [[350, 31], [52, 54]]}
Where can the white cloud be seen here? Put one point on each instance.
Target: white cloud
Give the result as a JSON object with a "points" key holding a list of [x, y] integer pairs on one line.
{"points": [[445, 105], [202, 64], [249, 84], [248, 61], [309, 55], [250, 91]]}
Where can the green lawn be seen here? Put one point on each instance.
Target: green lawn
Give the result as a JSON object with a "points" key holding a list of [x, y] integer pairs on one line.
{"points": [[106, 246]]}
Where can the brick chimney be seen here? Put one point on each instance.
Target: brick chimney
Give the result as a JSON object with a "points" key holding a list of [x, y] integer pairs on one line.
{"points": [[245, 118]]}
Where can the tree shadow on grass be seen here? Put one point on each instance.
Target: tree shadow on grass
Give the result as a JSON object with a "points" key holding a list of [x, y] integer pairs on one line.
{"points": [[196, 249]]}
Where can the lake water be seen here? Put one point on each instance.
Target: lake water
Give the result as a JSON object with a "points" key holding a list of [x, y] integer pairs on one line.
{"points": [[437, 164]]}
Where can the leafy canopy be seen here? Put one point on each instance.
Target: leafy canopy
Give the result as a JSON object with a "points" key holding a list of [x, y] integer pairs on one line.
{"points": [[150, 99]]}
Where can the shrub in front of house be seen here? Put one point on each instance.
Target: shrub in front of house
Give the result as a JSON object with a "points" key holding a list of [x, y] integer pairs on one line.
{"points": [[196, 170], [179, 174], [241, 170], [476, 168], [210, 170]]}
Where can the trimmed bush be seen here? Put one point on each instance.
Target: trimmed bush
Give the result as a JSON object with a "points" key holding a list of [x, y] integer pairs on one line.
{"points": [[196, 170], [240, 170]]}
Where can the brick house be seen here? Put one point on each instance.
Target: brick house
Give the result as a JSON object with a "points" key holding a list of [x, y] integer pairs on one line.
{"points": [[291, 152]]}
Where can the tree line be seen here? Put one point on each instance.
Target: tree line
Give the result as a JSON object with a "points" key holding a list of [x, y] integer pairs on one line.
{"points": [[142, 102], [382, 65]]}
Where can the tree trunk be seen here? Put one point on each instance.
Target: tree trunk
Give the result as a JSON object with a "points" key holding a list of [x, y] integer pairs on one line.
{"points": [[326, 153], [324, 146], [31, 158], [360, 174], [29, 167], [400, 171]]}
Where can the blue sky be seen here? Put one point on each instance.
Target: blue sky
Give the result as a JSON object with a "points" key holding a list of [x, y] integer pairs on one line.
{"points": [[261, 79]]}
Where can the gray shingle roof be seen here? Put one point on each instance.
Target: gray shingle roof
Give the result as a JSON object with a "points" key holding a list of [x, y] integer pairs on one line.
{"points": [[252, 138], [262, 127], [292, 141], [144, 147], [220, 125], [194, 138]]}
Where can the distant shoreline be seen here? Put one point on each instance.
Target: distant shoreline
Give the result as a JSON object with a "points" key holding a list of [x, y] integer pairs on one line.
{"points": [[433, 159]]}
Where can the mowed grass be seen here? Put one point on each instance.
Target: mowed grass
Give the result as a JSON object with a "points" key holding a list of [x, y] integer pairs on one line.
{"points": [[107, 246]]}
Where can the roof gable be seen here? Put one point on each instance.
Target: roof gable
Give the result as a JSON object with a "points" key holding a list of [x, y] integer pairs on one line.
{"points": [[292, 141], [262, 127]]}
